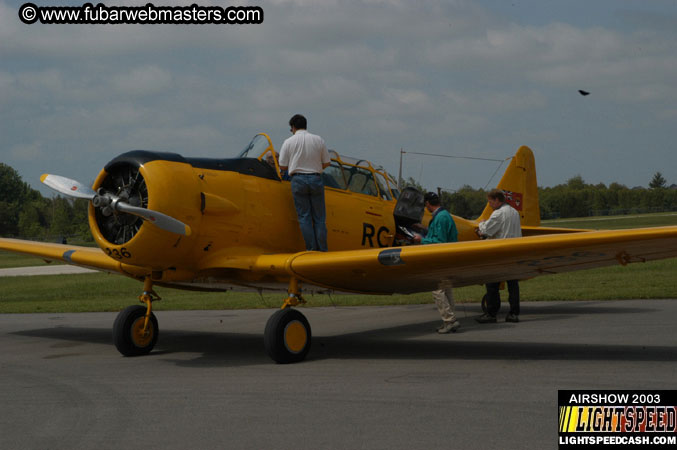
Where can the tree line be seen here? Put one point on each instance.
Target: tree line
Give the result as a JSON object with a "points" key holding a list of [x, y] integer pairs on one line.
{"points": [[575, 198], [25, 213]]}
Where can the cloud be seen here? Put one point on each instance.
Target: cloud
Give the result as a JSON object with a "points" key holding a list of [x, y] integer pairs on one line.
{"points": [[145, 80], [372, 76], [31, 152]]}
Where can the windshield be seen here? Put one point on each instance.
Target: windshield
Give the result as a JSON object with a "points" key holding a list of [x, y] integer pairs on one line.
{"points": [[256, 147]]}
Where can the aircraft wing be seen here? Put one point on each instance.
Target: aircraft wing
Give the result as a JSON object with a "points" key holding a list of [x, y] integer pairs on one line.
{"points": [[420, 268], [92, 258]]}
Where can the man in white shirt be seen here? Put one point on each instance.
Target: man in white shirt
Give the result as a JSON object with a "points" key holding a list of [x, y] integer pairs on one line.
{"points": [[503, 223], [304, 156]]}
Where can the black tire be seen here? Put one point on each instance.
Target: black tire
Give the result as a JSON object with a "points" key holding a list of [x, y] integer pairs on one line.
{"points": [[287, 337], [127, 328]]}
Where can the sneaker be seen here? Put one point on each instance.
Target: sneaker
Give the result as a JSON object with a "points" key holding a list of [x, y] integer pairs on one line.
{"points": [[486, 318], [512, 318], [450, 327]]}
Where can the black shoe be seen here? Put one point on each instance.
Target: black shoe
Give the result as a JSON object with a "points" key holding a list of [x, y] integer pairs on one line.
{"points": [[486, 318], [512, 318]]}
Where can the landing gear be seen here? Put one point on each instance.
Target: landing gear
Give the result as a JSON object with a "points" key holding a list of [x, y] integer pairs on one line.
{"points": [[135, 330], [288, 336]]}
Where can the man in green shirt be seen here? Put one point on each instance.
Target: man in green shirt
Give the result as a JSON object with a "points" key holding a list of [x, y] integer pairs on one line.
{"points": [[440, 230]]}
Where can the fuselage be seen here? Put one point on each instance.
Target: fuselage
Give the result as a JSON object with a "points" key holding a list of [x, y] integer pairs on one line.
{"points": [[237, 209]]}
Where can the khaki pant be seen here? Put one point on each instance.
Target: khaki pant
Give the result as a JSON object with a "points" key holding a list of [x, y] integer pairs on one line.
{"points": [[444, 299]]}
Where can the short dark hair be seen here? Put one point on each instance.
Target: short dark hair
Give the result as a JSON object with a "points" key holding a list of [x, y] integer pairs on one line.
{"points": [[497, 194], [298, 121], [431, 198]]}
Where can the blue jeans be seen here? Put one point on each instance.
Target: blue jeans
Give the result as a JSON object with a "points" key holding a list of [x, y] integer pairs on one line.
{"points": [[308, 192]]}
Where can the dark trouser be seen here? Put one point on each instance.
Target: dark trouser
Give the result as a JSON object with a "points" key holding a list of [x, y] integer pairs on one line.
{"points": [[494, 297]]}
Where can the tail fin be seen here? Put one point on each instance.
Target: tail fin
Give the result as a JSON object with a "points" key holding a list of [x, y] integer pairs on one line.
{"points": [[520, 187]]}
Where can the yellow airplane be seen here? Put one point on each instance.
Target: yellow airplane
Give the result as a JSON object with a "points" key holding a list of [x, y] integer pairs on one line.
{"points": [[224, 224]]}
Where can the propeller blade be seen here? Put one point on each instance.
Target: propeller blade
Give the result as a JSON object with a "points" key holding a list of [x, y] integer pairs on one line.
{"points": [[156, 218], [76, 189], [67, 186]]}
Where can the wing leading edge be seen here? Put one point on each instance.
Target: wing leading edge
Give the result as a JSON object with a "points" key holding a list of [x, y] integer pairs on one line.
{"points": [[418, 268], [92, 258], [421, 268]]}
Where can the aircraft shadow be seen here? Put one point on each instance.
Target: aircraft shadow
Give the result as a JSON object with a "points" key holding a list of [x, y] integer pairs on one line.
{"points": [[396, 343], [564, 308], [216, 349]]}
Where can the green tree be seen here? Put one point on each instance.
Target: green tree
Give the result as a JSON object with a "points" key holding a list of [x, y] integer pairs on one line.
{"points": [[410, 182], [61, 220], [32, 219], [466, 202], [12, 193], [658, 182], [576, 182]]}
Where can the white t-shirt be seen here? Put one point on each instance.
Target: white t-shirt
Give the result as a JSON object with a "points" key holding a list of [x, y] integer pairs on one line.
{"points": [[304, 153], [503, 223]]}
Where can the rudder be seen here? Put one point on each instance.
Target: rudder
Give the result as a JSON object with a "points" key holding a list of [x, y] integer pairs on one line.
{"points": [[521, 188]]}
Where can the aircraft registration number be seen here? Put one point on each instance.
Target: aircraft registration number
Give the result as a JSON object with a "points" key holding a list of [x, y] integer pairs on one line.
{"points": [[118, 254]]}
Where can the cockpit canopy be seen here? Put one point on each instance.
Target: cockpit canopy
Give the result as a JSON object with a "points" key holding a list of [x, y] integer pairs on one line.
{"points": [[345, 173]]}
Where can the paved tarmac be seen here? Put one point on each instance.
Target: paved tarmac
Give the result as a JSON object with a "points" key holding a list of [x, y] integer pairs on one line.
{"points": [[56, 269], [376, 378]]}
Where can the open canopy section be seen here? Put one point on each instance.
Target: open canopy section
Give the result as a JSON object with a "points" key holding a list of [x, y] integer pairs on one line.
{"points": [[345, 172]]}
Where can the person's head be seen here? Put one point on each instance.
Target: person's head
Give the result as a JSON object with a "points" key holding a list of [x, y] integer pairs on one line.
{"points": [[298, 122], [496, 198], [432, 201], [270, 159]]}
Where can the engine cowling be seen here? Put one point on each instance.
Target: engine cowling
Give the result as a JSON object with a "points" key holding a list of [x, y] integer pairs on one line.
{"points": [[163, 182]]}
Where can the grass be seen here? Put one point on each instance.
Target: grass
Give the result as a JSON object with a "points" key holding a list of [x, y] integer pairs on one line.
{"points": [[8, 260], [615, 222], [105, 292]]}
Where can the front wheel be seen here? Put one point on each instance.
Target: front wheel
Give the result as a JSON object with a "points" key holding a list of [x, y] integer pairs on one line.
{"points": [[128, 334], [287, 336]]}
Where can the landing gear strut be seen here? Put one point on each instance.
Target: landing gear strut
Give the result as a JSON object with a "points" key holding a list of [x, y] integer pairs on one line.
{"points": [[135, 330], [287, 336]]}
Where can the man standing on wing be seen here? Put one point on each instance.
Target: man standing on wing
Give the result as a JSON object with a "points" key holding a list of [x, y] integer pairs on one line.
{"points": [[304, 156], [441, 229], [503, 223]]}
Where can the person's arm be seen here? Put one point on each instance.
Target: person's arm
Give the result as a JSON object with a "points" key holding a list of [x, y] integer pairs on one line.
{"points": [[326, 160], [492, 225], [435, 231], [283, 160], [453, 231]]}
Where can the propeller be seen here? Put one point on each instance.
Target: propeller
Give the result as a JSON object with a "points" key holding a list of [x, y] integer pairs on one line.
{"points": [[68, 187], [112, 204]]}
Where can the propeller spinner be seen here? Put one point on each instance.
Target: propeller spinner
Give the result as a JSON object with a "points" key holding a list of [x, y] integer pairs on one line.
{"points": [[113, 204]]}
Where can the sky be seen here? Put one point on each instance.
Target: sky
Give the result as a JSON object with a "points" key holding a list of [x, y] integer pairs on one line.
{"points": [[373, 77]]}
